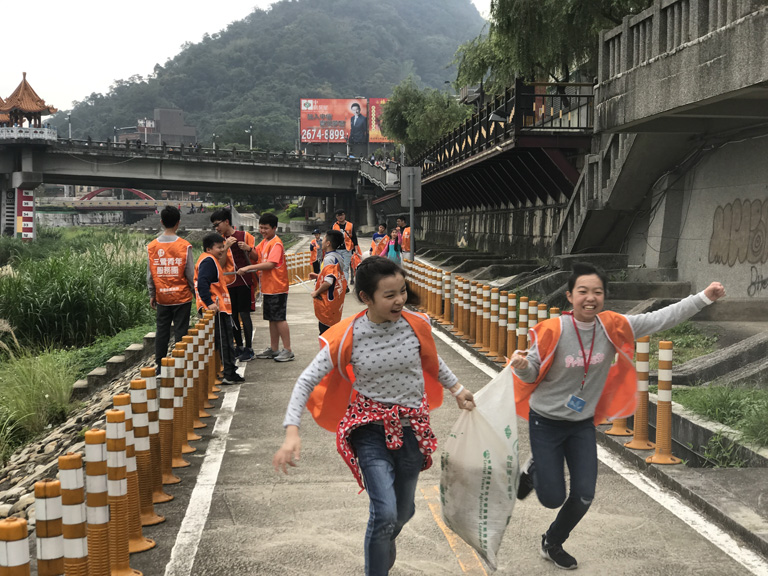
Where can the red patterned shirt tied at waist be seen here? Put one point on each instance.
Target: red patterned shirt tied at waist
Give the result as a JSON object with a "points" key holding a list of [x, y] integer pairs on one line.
{"points": [[364, 411]]}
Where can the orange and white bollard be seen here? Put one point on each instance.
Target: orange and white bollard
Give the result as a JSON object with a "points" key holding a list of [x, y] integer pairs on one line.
{"points": [[493, 339], [48, 530], [136, 540], [533, 314], [466, 308], [473, 312], [74, 526], [153, 416], [542, 312], [458, 297], [643, 367], [663, 454], [554, 312], [194, 366], [14, 544], [167, 400], [119, 514], [190, 408], [97, 502], [502, 335], [182, 380], [522, 324], [179, 428], [142, 450], [511, 324], [447, 297], [486, 325]]}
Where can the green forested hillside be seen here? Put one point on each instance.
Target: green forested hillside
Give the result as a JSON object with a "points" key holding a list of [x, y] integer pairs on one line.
{"points": [[257, 69]]}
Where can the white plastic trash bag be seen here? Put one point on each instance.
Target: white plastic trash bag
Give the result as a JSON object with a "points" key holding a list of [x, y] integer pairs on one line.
{"points": [[480, 468]]}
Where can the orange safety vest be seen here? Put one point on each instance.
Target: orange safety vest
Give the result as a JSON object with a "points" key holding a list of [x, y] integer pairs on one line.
{"points": [[619, 396], [406, 241], [379, 248], [328, 306], [275, 280], [314, 248], [329, 400], [167, 263], [219, 292], [347, 230]]}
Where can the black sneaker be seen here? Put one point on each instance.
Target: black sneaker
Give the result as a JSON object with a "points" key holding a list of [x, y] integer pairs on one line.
{"points": [[555, 554], [234, 379], [526, 480]]}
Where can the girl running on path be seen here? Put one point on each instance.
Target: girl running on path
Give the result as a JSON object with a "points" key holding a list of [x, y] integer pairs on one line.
{"points": [[374, 383], [577, 371]]}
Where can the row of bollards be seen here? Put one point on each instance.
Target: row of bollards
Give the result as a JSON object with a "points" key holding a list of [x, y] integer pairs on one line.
{"points": [[89, 525], [496, 323], [299, 266], [490, 320]]}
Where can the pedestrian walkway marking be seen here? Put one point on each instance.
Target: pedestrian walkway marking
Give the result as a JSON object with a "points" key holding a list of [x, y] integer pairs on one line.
{"points": [[744, 556], [468, 560], [188, 538]]}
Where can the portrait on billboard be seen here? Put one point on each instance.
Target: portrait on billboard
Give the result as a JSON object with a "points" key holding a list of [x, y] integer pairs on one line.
{"points": [[358, 125]]}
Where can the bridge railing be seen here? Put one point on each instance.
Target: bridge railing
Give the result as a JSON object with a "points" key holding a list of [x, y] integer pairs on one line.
{"points": [[189, 152], [525, 108], [663, 28], [26, 133]]}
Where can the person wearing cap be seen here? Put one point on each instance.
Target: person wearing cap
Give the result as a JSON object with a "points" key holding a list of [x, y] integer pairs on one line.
{"points": [[316, 251]]}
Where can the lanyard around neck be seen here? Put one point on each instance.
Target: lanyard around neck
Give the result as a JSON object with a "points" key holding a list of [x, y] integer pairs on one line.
{"points": [[587, 360]]}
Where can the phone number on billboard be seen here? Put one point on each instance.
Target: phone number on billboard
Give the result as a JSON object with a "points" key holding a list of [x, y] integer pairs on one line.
{"points": [[322, 134]]}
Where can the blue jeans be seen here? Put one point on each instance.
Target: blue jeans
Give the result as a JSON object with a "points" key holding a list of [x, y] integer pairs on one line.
{"points": [[346, 258], [552, 442], [390, 477]]}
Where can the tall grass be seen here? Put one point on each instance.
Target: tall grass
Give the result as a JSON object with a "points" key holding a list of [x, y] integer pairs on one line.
{"points": [[95, 286]]}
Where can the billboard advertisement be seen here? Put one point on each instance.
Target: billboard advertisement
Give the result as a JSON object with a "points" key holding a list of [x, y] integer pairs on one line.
{"points": [[375, 111], [341, 120]]}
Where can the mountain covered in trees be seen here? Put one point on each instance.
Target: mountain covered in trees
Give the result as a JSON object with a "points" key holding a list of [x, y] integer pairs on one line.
{"points": [[256, 70]]}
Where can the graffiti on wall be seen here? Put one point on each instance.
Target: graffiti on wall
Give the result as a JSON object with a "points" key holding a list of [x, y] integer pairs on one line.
{"points": [[740, 233]]}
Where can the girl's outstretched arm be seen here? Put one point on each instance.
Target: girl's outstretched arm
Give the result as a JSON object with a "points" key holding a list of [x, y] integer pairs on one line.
{"points": [[289, 452]]}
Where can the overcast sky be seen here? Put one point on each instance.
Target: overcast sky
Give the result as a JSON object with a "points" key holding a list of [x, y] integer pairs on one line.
{"points": [[72, 49]]}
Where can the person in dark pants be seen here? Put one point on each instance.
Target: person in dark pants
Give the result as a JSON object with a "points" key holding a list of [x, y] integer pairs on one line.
{"points": [[170, 282], [240, 252], [212, 294]]}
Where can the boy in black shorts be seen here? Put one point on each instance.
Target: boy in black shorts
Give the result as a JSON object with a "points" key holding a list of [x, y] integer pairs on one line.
{"points": [[273, 280]]}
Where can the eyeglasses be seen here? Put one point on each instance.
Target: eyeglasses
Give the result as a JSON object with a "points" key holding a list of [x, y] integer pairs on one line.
{"points": [[215, 225]]}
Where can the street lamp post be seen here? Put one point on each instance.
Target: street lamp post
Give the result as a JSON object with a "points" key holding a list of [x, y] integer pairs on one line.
{"points": [[250, 137], [214, 141], [69, 121]]}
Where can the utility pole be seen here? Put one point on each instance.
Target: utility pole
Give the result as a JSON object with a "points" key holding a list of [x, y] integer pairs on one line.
{"points": [[411, 202]]}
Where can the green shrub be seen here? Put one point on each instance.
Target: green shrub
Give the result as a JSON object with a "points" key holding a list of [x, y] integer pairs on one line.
{"points": [[689, 343], [95, 288]]}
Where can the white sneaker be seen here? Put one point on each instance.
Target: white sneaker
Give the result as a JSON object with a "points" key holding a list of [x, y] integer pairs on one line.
{"points": [[284, 356]]}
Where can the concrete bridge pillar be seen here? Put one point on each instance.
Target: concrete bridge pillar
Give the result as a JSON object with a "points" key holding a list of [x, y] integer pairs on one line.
{"points": [[665, 227], [371, 213]]}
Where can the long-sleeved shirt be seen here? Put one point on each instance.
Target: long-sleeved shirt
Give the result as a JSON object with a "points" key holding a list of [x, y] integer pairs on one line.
{"points": [[207, 273], [386, 363], [189, 268], [567, 369]]}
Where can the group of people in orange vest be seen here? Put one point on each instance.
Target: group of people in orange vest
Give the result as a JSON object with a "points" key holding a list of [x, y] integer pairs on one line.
{"points": [[224, 279]]}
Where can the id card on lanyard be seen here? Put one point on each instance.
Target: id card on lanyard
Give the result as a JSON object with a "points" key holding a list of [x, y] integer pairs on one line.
{"points": [[575, 402]]}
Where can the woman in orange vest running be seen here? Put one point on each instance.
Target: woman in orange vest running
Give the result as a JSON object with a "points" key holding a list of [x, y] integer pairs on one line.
{"points": [[577, 371], [376, 370]]}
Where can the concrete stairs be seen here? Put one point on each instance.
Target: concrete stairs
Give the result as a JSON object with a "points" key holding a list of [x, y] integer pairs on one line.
{"points": [[615, 184]]}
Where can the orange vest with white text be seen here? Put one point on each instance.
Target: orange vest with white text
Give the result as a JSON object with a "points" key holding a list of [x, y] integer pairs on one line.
{"points": [[275, 280], [347, 231], [619, 396], [328, 306], [167, 264], [329, 400], [379, 247], [314, 249], [219, 292], [406, 239]]}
